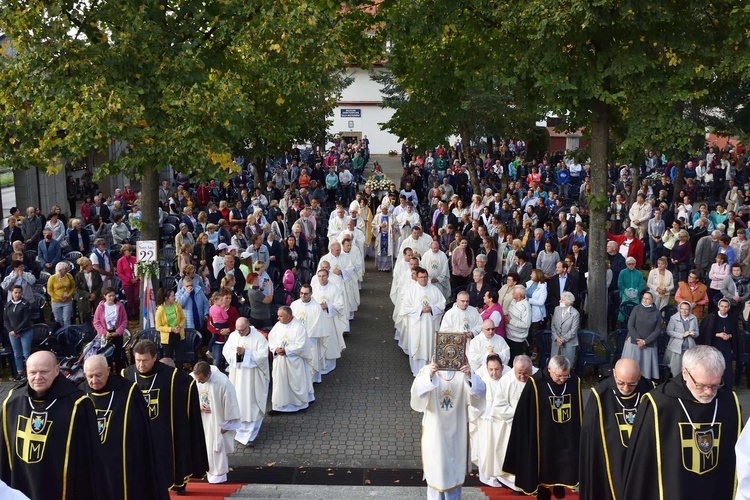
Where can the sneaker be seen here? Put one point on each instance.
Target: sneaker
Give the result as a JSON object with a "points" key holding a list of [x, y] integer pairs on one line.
{"points": [[20, 378], [209, 356]]}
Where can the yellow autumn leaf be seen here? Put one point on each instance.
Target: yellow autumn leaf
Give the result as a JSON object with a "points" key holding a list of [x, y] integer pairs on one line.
{"points": [[275, 47], [280, 101]]}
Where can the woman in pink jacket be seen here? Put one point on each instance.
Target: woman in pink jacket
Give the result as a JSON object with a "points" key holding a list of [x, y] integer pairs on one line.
{"points": [[110, 322], [130, 282]]}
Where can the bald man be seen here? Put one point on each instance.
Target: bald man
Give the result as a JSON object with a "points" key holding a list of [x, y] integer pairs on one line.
{"points": [[50, 449], [124, 433], [607, 424]]}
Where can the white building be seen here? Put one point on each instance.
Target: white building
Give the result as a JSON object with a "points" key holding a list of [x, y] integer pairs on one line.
{"points": [[359, 114]]}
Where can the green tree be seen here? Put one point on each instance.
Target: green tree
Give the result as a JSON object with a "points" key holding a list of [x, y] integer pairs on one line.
{"points": [[181, 83], [439, 81], [629, 67]]}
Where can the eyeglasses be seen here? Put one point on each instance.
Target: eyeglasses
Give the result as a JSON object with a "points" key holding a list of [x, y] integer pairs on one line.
{"points": [[626, 384], [703, 387], [559, 378]]}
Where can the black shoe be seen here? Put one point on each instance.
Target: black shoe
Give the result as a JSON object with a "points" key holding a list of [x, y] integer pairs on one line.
{"points": [[558, 492], [180, 491], [20, 378]]}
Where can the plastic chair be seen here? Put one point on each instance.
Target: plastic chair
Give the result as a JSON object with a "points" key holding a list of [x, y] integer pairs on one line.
{"points": [[543, 342], [168, 252], [192, 342], [39, 288], [625, 309], [167, 233], [168, 283], [617, 340], [151, 334], [41, 332], [667, 312], [166, 267], [593, 350], [73, 256], [69, 341]]}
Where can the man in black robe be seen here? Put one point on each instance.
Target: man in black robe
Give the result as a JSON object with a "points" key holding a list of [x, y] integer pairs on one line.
{"points": [[129, 469], [172, 405], [546, 432], [50, 445], [607, 424], [682, 444]]}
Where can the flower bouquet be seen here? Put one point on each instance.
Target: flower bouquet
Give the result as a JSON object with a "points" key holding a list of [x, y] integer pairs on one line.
{"points": [[378, 182], [146, 269]]}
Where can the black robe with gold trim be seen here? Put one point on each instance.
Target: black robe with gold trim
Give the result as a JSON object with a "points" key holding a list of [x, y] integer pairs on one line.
{"points": [[50, 451], [545, 436], [173, 406], [129, 468], [668, 460], [604, 439]]}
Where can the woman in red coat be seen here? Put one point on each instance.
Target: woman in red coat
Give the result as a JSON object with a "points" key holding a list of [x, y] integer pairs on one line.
{"points": [[634, 245], [130, 282]]}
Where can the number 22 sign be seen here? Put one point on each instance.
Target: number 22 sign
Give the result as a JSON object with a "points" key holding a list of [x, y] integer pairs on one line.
{"points": [[146, 250]]}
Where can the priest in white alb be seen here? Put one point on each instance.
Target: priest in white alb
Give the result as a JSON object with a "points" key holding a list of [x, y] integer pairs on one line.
{"points": [[486, 344], [246, 353], [220, 413], [308, 313], [406, 220], [416, 241], [292, 384], [399, 268], [496, 418], [444, 397], [342, 266], [350, 249], [338, 282], [330, 298], [436, 263], [462, 318], [424, 305], [400, 318], [337, 223]]}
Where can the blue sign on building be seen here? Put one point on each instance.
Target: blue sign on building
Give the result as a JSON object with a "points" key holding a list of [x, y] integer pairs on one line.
{"points": [[351, 113]]}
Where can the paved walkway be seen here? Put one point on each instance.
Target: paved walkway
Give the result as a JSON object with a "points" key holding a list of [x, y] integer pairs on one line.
{"points": [[361, 416]]}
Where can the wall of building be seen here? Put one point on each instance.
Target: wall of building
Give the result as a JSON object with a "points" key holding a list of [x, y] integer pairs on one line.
{"points": [[52, 189], [359, 112]]}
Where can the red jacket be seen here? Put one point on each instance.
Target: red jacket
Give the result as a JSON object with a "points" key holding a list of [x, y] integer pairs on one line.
{"points": [[635, 249]]}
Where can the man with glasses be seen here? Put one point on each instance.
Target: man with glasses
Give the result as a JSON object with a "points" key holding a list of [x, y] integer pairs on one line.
{"points": [[609, 417], [682, 444], [485, 345], [462, 318], [544, 440]]}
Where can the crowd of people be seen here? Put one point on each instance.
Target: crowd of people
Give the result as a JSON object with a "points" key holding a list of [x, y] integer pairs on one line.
{"points": [[274, 286], [508, 269]]}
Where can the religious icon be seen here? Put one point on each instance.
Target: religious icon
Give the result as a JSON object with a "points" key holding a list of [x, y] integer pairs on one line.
{"points": [[450, 350]]}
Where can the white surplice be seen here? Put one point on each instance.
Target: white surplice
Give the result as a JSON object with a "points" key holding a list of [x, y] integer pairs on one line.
{"points": [[400, 319], [292, 384], [332, 320], [335, 280], [444, 401], [218, 395], [344, 265], [457, 320], [493, 420], [309, 314], [336, 225], [250, 379], [422, 326], [436, 264], [480, 347], [419, 245]]}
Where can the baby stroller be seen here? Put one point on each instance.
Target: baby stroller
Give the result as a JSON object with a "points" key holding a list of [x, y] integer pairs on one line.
{"points": [[72, 366]]}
